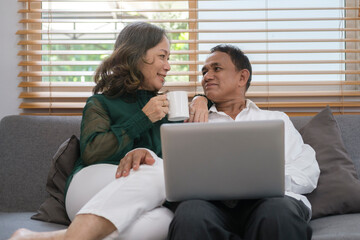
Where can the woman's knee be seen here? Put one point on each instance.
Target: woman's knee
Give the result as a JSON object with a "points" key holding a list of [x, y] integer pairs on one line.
{"points": [[153, 225], [148, 179]]}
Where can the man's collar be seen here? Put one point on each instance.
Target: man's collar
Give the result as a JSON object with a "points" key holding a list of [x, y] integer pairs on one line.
{"points": [[249, 105]]}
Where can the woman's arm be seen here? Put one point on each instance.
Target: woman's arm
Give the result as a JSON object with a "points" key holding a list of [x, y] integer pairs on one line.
{"points": [[198, 109], [104, 140], [101, 140]]}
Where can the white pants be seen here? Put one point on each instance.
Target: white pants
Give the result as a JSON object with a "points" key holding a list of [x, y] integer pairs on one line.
{"points": [[132, 203]]}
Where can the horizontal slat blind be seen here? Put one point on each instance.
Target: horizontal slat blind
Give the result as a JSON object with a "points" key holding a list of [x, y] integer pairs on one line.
{"points": [[305, 54]]}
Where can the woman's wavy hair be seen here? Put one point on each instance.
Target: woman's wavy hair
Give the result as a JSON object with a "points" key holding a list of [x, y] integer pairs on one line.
{"points": [[119, 75]]}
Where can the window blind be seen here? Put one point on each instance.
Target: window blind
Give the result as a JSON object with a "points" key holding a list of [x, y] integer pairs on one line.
{"points": [[305, 55]]}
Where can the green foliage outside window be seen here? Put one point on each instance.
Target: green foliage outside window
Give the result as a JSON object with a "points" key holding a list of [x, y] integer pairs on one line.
{"points": [[97, 57]]}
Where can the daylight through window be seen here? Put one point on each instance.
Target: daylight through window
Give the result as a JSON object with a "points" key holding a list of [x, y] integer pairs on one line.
{"points": [[305, 54]]}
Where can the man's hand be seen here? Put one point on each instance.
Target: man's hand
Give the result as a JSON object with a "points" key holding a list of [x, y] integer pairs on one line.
{"points": [[133, 160], [198, 110], [157, 108]]}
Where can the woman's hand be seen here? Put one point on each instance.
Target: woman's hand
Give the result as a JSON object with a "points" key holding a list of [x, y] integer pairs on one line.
{"points": [[133, 160], [157, 108], [198, 110]]}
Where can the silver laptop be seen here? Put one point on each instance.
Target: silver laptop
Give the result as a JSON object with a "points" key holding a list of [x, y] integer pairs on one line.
{"points": [[222, 161]]}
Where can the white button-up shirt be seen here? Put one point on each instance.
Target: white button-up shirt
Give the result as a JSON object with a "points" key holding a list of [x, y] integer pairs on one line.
{"points": [[301, 168]]}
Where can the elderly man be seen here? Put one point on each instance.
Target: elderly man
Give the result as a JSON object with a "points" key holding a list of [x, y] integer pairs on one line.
{"points": [[226, 78]]}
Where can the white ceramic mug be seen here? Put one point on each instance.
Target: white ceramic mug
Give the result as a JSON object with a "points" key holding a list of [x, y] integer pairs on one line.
{"points": [[178, 105]]}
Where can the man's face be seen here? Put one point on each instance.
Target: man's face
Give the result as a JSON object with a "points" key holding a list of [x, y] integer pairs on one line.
{"points": [[221, 80]]}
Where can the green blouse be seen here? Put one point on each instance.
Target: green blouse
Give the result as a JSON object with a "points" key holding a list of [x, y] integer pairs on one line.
{"points": [[111, 127]]}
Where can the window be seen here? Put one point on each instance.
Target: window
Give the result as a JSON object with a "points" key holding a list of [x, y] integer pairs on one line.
{"points": [[305, 55]]}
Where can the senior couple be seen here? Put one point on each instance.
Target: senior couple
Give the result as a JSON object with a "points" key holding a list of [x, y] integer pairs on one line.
{"points": [[121, 153]]}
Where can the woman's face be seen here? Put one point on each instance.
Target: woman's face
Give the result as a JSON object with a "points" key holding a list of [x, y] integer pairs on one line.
{"points": [[156, 66]]}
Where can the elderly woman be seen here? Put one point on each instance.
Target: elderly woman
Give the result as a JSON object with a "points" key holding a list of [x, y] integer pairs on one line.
{"points": [[116, 189]]}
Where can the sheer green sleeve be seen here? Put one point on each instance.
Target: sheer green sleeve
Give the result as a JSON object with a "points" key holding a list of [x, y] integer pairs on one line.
{"points": [[101, 140], [97, 142]]}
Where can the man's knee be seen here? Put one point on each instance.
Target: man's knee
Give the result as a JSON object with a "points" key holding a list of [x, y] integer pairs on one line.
{"points": [[277, 209], [199, 219], [193, 212], [281, 218]]}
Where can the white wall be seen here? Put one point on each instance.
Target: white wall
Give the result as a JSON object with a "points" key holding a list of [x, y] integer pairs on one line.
{"points": [[9, 70]]}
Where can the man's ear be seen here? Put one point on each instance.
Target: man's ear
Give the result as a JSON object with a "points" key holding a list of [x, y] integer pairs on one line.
{"points": [[244, 77]]}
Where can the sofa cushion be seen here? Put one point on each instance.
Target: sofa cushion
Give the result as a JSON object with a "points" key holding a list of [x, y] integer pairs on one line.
{"points": [[336, 227], [10, 222], [338, 190], [350, 127], [53, 209]]}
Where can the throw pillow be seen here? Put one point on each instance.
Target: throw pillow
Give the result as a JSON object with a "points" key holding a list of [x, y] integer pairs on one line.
{"points": [[338, 190], [53, 209]]}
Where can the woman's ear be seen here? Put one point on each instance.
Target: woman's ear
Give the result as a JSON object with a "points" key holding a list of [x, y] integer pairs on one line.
{"points": [[244, 77]]}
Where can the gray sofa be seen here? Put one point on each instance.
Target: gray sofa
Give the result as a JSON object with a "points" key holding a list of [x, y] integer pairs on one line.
{"points": [[27, 144]]}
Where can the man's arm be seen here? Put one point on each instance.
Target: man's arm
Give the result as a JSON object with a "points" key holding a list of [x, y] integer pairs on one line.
{"points": [[301, 168]]}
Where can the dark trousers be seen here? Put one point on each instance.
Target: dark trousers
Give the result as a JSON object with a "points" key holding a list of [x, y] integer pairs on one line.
{"points": [[270, 218]]}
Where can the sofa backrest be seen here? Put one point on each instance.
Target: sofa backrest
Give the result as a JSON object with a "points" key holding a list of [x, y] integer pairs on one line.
{"points": [[28, 143]]}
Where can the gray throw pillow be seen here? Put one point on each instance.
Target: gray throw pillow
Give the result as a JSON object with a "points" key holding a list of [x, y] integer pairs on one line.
{"points": [[53, 209], [338, 190]]}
